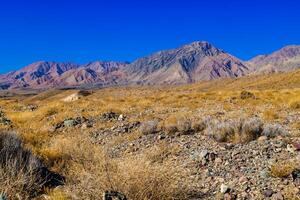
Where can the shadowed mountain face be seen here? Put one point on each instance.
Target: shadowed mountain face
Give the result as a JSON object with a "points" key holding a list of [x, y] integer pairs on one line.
{"points": [[283, 60], [198, 61]]}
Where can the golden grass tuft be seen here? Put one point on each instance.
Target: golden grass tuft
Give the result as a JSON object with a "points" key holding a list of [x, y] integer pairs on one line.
{"points": [[282, 169]]}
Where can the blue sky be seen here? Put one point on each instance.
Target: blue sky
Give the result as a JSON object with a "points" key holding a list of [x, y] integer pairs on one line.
{"points": [[82, 31]]}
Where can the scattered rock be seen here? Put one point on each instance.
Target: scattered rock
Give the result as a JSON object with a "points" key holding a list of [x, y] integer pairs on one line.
{"points": [[296, 146], [268, 192], [77, 96], [75, 122], [277, 196], [110, 116], [224, 189]]}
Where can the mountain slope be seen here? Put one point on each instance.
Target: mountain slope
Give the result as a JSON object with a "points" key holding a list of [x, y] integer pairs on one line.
{"points": [[191, 63], [52, 74], [283, 60]]}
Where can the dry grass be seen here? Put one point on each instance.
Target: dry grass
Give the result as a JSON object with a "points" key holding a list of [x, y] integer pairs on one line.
{"points": [[150, 173], [282, 169]]}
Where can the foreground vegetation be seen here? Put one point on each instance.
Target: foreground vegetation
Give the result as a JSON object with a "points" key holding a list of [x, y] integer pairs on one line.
{"points": [[141, 141]]}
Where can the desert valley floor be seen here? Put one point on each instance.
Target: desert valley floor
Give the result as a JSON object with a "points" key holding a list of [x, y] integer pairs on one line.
{"points": [[223, 139]]}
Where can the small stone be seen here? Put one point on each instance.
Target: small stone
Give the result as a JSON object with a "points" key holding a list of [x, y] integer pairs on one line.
{"points": [[264, 174], [268, 192], [229, 196], [224, 188], [296, 146], [203, 154], [121, 117], [262, 138], [218, 161], [69, 123], [290, 148], [277, 196]]}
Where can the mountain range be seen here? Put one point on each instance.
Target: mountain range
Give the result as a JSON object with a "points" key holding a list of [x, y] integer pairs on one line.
{"points": [[198, 61]]}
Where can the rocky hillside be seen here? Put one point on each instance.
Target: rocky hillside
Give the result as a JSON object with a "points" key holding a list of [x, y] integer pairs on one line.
{"points": [[198, 61], [191, 63], [53, 74], [285, 59]]}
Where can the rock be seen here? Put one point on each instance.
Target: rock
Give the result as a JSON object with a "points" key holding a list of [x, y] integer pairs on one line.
{"points": [[113, 195], [263, 174], [3, 197], [296, 146], [121, 117], [224, 188], [76, 96], [109, 116], [203, 154], [290, 148], [218, 161], [69, 123], [268, 192], [296, 177], [262, 138], [71, 98], [230, 196], [277, 196], [161, 137]]}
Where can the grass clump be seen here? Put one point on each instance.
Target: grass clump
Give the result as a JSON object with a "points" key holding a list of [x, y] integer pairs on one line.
{"points": [[247, 95], [282, 169], [243, 130], [22, 174], [149, 127]]}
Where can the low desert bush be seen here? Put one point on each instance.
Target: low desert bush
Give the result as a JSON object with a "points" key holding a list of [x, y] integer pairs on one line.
{"points": [[184, 125], [249, 129], [22, 173], [149, 127], [282, 169], [180, 125], [243, 130], [247, 95], [273, 130], [222, 131]]}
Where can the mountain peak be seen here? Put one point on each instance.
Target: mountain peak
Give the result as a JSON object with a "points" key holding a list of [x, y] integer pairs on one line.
{"points": [[202, 46]]}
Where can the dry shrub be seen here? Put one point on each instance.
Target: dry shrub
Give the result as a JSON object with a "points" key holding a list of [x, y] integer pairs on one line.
{"points": [[291, 192], [178, 124], [240, 131], [91, 171], [199, 125], [282, 169], [18, 184], [149, 127], [56, 194], [249, 129], [136, 177], [22, 174], [222, 131], [247, 95], [273, 130]]}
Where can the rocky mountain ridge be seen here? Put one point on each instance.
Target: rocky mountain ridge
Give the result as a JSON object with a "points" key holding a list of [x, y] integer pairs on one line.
{"points": [[198, 61]]}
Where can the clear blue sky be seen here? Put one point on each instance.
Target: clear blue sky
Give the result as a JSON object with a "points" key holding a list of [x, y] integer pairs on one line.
{"points": [[87, 30]]}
